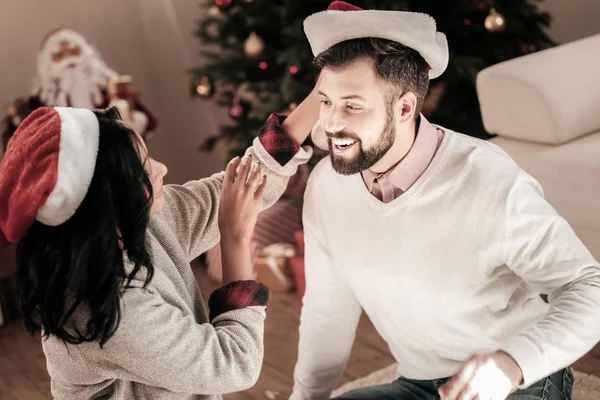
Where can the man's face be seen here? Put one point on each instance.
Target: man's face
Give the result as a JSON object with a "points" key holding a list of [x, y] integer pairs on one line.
{"points": [[356, 116]]}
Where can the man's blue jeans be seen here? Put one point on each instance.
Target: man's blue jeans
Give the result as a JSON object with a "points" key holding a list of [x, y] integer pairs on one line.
{"points": [[555, 387]]}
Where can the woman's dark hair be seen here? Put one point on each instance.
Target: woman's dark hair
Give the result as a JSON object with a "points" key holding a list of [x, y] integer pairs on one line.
{"points": [[400, 66], [79, 266]]}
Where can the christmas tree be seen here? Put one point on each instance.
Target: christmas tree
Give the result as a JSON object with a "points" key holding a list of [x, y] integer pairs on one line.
{"points": [[259, 61]]}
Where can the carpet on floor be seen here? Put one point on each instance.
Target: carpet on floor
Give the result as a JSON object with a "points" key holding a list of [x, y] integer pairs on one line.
{"points": [[586, 387]]}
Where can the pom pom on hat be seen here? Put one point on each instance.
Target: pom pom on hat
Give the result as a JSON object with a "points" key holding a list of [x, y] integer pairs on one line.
{"points": [[343, 21], [47, 169], [343, 6]]}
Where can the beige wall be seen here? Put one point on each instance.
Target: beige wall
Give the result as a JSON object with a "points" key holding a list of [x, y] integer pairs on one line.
{"points": [[168, 27], [572, 19], [153, 41]]}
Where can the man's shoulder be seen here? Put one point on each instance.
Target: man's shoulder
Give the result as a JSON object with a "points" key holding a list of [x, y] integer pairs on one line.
{"points": [[481, 154], [324, 179], [480, 164], [322, 172]]}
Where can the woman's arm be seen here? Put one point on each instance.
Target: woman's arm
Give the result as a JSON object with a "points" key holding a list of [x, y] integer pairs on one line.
{"points": [[192, 209], [158, 345], [301, 121]]}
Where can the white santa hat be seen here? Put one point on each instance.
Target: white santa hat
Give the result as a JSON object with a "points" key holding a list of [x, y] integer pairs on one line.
{"points": [[47, 169], [342, 21]]}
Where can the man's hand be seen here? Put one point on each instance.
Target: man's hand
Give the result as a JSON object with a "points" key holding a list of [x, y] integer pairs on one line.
{"points": [[490, 376]]}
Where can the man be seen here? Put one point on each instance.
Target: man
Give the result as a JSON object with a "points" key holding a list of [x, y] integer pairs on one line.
{"points": [[71, 73], [441, 238]]}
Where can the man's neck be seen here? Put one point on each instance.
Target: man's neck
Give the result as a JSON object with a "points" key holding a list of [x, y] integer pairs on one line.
{"points": [[405, 138]]}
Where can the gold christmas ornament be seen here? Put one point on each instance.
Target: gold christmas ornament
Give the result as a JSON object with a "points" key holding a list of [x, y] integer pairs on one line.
{"points": [[495, 21], [205, 88], [214, 11], [253, 46], [13, 113]]}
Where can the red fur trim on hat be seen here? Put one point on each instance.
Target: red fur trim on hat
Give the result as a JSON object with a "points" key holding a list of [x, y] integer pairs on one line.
{"points": [[342, 6], [28, 172]]}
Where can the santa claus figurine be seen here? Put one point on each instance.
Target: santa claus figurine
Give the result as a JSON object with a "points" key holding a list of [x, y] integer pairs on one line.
{"points": [[70, 73]]}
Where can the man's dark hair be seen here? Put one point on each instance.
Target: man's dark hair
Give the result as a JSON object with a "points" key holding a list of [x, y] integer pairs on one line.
{"points": [[403, 68]]}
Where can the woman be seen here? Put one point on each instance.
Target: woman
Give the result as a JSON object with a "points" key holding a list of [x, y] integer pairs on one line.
{"points": [[103, 265]]}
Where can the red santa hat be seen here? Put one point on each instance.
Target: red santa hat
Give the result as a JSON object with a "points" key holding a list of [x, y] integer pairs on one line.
{"points": [[62, 33], [47, 169], [342, 21]]}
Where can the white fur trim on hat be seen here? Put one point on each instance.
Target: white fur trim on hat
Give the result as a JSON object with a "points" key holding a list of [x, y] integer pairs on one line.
{"points": [[415, 30], [79, 140]]}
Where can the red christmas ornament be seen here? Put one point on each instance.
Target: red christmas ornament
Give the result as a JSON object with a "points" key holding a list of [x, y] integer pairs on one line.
{"points": [[467, 22], [223, 4], [293, 70], [239, 111], [482, 6], [263, 65]]}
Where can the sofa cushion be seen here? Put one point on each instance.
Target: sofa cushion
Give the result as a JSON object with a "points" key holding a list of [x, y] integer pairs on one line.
{"points": [[551, 96], [569, 174]]}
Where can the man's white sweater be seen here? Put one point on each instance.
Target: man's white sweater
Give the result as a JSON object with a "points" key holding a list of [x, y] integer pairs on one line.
{"points": [[451, 268]]}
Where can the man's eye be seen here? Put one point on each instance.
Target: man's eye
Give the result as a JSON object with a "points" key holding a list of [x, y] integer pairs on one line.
{"points": [[353, 108], [326, 102]]}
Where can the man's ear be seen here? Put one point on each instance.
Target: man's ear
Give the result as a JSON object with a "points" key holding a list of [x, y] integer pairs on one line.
{"points": [[405, 107]]}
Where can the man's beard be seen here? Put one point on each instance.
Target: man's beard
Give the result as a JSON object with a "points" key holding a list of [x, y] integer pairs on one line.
{"points": [[365, 159], [76, 85]]}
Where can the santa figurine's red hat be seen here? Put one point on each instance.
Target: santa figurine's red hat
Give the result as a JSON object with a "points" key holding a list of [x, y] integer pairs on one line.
{"points": [[47, 169], [343, 21]]}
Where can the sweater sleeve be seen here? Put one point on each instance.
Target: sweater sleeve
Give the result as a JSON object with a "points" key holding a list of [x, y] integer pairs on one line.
{"points": [[328, 322], [192, 208], [157, 345], [543, 249]]}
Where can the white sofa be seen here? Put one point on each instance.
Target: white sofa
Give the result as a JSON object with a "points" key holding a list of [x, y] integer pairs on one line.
{"points": [[545, 110]]}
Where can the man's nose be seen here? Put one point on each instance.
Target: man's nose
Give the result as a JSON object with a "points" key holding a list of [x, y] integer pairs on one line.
{"points": [[334, 122]]}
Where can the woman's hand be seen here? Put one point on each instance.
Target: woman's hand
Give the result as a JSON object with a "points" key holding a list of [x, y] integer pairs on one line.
{"points": [[241, 198]]}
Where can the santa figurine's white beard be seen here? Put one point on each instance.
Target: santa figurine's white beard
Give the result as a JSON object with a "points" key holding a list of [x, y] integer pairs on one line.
{"points": [[75, 82]]}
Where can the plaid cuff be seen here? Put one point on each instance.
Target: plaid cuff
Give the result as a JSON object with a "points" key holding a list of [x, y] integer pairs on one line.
{"points": [[238, 295], [276, 142]]}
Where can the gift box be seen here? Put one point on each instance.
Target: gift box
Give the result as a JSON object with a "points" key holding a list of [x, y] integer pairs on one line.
{"points": [[274, 272], [275, 226], [297, 264], [297, 267], [299, 238]]}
